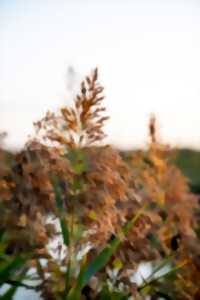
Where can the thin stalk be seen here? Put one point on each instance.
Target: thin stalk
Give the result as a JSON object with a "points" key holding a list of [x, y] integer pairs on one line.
{"points": [[172, 271], [70, 255]]}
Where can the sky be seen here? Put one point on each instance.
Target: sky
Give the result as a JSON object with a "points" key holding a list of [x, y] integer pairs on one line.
{"points": [[147, 52]]}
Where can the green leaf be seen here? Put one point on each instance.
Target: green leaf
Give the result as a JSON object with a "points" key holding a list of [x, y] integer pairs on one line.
{"points": [[162, 265], [97, 264], [78, 231], [75, 292], [169, 275], [132, 222], [7, 269], [65, 231], [57, 191], [99, 261], [105, 294], [16, 282], [60, 206], [172, 273], [9, 294]]}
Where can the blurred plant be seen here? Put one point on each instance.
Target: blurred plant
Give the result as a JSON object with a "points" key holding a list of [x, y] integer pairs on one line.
{"points": [[171, 210], [13, 269], [86, 215]]}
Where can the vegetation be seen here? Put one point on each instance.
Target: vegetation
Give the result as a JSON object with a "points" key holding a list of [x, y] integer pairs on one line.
{"points": [[83, 216], [189, 162]]}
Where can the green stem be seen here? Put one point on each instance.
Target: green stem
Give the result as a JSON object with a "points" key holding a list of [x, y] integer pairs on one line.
{"points": [[172, 271]]}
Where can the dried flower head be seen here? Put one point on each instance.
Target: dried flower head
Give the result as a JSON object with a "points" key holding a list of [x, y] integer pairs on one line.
{"points": [[80, 125]]}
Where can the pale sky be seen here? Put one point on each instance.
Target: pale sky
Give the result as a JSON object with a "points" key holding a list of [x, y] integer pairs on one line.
{"points": [[148, 54]]}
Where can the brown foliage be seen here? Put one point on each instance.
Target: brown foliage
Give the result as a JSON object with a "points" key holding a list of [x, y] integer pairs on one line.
{"points": [[102, 189]]}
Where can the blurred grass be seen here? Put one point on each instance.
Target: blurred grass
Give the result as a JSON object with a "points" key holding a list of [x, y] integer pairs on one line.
{"points": [[188, 161]]}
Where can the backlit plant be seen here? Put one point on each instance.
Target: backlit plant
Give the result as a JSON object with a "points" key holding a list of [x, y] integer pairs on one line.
{"points": [[87, 215]]}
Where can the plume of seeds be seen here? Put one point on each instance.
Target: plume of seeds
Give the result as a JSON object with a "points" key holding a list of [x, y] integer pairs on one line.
{"points": [[80, 125], [89, 109]]}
